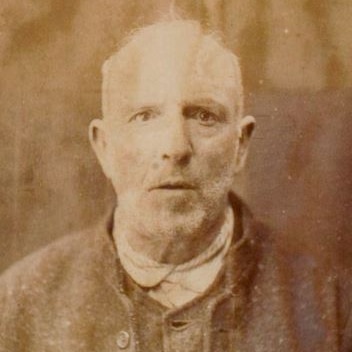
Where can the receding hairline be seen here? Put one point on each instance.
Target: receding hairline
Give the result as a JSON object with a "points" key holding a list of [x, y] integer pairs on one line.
{"points": [[138, 34]]}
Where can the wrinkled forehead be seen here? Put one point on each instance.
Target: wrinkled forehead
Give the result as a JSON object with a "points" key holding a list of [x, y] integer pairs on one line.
{"points": [[174, 59]]}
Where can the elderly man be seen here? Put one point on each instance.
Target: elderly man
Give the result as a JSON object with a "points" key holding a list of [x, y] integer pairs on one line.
{"points": [[181, 265]]}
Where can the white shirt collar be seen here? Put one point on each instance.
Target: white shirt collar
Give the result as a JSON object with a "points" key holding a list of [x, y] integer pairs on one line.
{"points": [[174, 285]]}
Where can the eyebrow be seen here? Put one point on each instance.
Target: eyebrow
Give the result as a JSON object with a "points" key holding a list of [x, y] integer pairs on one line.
{"points": [[210, 103]]}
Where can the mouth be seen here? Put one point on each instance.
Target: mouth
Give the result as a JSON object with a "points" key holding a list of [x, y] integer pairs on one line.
{"points": [[174, 185]]}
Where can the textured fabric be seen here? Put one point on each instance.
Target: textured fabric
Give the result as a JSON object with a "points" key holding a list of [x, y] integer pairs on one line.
{"points": [[182, 329], [73, 296], [175, 285]]}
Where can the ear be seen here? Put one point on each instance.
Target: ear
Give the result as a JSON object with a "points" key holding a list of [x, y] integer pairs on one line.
{"points": [[99, 143], [246, 128]]}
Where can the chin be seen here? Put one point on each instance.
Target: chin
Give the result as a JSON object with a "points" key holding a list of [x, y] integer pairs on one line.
{"points": [[170, 214], [174, 221], [172, 204], [179, 216]]}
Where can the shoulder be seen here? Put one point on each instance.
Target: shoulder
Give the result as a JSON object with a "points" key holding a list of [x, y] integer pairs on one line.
{"points": [[273, 253], [68, 259], [58, 289], [31, 288], [48, 260]]}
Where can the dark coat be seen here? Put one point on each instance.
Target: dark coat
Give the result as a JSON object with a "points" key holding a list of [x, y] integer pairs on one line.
{"points": [[70, 297]]}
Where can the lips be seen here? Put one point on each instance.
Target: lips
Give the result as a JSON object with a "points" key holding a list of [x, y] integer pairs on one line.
{"points": [[174, 185]]}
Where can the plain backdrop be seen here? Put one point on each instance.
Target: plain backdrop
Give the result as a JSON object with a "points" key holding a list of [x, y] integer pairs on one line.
{"points": [[296, 61]]}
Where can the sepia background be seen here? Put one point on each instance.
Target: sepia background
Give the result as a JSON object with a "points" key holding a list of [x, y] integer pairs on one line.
{"points": [[296, 60]]}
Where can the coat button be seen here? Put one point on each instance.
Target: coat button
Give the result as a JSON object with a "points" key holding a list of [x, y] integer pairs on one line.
{"points": [[123, 339]]}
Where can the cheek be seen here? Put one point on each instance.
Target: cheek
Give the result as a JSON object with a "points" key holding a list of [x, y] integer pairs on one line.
{"points": [[129, 161], [218, 156]]}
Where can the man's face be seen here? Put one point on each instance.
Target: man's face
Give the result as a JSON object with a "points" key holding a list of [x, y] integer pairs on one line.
{"points": [[171, 137]]}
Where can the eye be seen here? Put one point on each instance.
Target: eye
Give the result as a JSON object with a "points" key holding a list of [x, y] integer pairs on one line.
{"points": [[143, 116], [204, 117]]}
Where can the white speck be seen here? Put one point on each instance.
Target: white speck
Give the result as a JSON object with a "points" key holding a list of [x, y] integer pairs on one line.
{"points": [[67, 323], [286, 31]]}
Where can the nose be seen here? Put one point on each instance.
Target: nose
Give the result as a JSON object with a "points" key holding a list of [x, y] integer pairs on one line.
{"points": [[176, 145]]}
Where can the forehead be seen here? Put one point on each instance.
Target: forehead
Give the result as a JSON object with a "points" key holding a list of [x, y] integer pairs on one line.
{"points": [[176, 61]]}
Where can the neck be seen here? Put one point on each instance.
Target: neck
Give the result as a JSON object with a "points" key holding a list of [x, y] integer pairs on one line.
{"points": [[174, 247]]}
